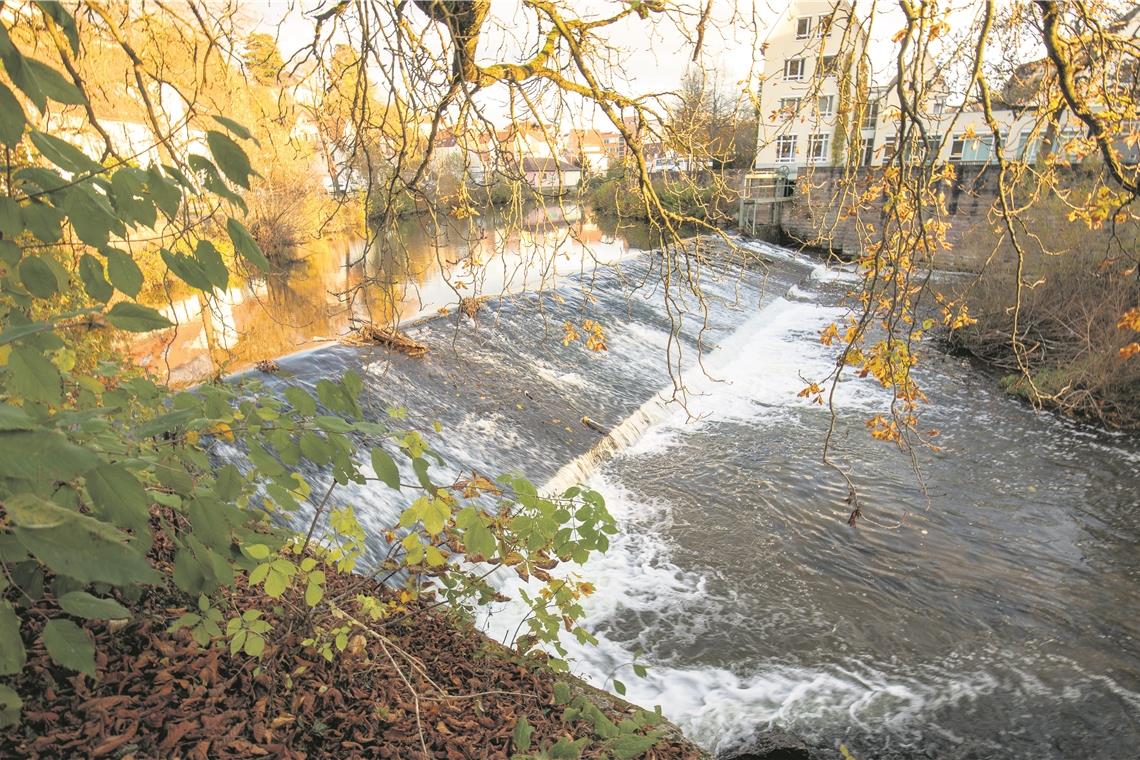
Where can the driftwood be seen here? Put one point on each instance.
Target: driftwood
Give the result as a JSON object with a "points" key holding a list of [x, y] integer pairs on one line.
{"points": [[470, 305], [371, 335]]}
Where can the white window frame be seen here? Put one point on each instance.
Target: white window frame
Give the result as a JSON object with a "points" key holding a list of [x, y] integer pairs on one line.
{"points": [[870, 116], [800, 23], [867, 150], [823, 24], [830, 101], [801, 66], [786, 149], [789, 107], [957, 147], [819, 147]]}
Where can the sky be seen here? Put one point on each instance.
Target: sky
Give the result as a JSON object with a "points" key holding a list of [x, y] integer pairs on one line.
{"points": [[650, 58]]}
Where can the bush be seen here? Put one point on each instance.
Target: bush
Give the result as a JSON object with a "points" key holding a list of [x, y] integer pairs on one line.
{"points": [[1077, 284]]}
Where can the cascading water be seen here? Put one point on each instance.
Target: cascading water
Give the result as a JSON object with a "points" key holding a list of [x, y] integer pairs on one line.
{"points": [[998, 619]]}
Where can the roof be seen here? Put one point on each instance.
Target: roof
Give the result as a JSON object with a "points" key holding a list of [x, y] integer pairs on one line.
{"points": [[547, 165]]}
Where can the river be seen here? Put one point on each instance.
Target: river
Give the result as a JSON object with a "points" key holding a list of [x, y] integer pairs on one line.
{"points": [[996, 615]]}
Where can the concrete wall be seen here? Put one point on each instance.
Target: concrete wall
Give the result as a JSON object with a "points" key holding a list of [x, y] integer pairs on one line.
{"points": [[819, 214]]}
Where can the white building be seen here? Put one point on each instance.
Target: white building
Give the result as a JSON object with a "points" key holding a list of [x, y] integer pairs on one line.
{"points": [[821, 107]]}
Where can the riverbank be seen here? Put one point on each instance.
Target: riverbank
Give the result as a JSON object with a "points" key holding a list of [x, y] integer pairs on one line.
{"points": [[426, 685]]}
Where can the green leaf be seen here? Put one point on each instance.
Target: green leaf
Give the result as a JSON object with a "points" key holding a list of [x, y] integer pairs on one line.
{"points": [[124, 272], [94, 281], [80, 549], [187, 269], [38, 277], [15, 418], [10, 704], [12, 120], [12, 655], [434, 516], [135, 317], [230, 157], [43, 221], [11, 222], [52, 84], [234, 127], [629, 746], [57, 13], [254, 645], [619, 687], [84, 605], [32, 376], [561, 693], [91, 216], [211, 262], [118, 496], [521, 735], [420, 467], [63, 154], [42, 455], [385, 468], [70, 646], [246, 245]]}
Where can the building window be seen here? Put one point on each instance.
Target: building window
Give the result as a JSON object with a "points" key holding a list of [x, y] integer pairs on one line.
{"points": [[871, 115], [889, 146], [803, 27], [957, 146], [826, 105], [1027, 146], [794, 68], [817, 148], [789, 107], [933, 143], [785, 149], [867, 151], [938, 106], [824, 25], [827, 65]]}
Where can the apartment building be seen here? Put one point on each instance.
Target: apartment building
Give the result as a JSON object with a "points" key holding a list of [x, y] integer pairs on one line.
{"points": [[815, 71]]}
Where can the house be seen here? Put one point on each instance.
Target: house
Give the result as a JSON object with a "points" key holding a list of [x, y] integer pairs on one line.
{"points": [[550, 174]]}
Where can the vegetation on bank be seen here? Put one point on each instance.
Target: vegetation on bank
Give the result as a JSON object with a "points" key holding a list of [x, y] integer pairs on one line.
{"points": [[1076, 346], [706, 196], [161, 549]]}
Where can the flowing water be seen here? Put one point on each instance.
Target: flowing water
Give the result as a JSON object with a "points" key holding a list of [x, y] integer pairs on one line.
{"points": [[994, 616]]}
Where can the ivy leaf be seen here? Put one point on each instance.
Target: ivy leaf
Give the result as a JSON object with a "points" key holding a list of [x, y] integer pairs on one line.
{"points": [[70, 646], [521, 735], [135, 317], [38, 277], [385, 468], [12, 120], [94, 281], [629, 746], [124, 272], [10, 704], [84, 605], [246, 245], [230, 157], [12, 655]]}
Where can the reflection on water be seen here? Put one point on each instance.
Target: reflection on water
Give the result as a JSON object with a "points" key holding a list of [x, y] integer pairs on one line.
{"points": [[334, 285]]}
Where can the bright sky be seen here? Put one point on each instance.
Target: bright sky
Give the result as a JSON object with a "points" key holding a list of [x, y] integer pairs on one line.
{"points": [[649, 58]]}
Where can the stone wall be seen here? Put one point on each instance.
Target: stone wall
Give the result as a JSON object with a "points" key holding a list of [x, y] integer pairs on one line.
{"points": [[819, 214]]}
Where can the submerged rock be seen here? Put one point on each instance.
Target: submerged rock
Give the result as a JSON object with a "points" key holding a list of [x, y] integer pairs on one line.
{"points": [[774, 745]]}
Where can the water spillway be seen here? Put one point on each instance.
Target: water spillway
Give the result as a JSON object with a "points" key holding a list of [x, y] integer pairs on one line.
{"points": [[994, 615]]}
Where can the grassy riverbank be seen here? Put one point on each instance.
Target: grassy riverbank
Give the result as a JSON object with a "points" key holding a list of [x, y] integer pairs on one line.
{"points": [[1071, 352]]}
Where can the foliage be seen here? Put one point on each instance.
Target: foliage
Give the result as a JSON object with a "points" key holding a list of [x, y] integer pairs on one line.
{"points": [[110, 484]]}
